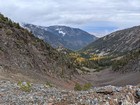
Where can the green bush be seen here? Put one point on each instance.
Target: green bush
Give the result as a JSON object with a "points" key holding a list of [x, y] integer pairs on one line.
{"points": [[77, 87], [8, 21], [87, 86], [1, 20], [16, 25], [25, 86], [49, 84]]}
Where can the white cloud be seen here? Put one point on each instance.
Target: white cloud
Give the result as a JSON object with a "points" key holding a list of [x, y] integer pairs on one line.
{"points": [[77, 13]]}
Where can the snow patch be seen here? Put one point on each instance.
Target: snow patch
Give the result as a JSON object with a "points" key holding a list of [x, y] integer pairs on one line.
{"points": [[57, 29], [61, 32], [44, 28], [40, 37], [102, 53]]}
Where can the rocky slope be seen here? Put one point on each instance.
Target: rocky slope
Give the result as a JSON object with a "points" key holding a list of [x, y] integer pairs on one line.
{"points": [[128, 63], [117, 42], [21, 52], [71, 38], [25, 57], [41, 94]]}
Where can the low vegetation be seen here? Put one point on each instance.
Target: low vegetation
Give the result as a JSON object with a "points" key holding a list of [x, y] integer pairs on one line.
{"points": [[24, 86], [79, 87], [118, 64], [48, 84], [92, 61], [8, 22]]}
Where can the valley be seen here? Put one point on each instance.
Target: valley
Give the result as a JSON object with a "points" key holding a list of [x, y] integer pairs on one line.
{"points": [[90, 70]]}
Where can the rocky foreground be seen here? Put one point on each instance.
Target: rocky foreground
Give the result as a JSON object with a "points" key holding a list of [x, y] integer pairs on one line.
{"points": [[40, 94]]}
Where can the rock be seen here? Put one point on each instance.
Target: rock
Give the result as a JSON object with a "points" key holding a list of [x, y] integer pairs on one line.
{"points": [[11, 94], [105, 91], [138, 103], [138, 93]]}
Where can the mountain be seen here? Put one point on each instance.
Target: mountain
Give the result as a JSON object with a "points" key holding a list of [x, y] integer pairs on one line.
{"points": [[130, 62], [25, 56], [71, 38], [117, 42]]}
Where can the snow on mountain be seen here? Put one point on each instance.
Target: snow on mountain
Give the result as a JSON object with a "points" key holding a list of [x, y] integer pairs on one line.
{"points": [[71, 38]]}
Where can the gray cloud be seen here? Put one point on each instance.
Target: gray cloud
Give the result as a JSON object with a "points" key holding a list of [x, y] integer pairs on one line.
{"points": [[77, 13]]}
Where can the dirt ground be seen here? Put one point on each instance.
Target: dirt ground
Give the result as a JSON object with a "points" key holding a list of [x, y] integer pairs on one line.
{"points": [[102, 78], [108, 77]]}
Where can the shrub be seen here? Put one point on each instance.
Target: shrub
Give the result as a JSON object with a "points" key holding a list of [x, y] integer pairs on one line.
{"points": [[0, 26], [1, 49], [8, 21], [77, 87], [87, 86], [9, 32], [48, 84], [25, 86], [16, 25], [1, 19]]}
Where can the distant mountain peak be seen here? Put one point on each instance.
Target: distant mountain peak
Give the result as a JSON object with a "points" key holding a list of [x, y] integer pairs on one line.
{"points": [[71, 38]]}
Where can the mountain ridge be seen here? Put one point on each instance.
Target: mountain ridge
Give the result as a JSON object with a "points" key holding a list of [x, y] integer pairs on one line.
{"points": [[120, 41], [25, 56], [68, 37]]}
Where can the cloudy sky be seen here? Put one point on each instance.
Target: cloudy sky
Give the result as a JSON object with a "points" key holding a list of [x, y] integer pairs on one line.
{"points": [[95, 16]]}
